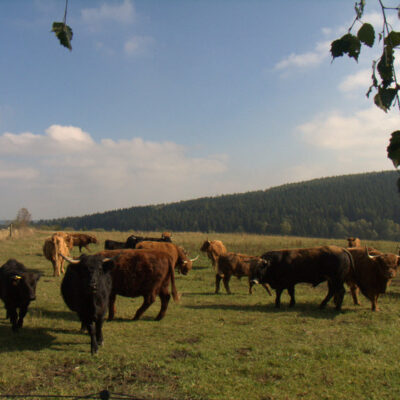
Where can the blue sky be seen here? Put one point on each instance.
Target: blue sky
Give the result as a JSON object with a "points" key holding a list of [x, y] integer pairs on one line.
{"points": [[162, 101]]}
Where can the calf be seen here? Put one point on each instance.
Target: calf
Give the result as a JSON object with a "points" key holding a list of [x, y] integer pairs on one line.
{"points": [[146, 273], [372, 274], [113, 245], [353, 242], [86, 289], [234, 264], [17, 290], [83, 240]]}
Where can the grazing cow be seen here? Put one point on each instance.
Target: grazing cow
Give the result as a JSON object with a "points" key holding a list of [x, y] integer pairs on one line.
{"points": [[214, 249], [283, 269], [373, 272], [238, 265], [53, 247], [86, 289], [17, 290], [179, 258], [83, 240], [353, 242], [133, 240], [166, 235], [113, 245], [146, 273]]}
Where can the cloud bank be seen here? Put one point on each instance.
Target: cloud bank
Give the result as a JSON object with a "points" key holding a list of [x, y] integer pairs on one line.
{"points": [[65, 172]]}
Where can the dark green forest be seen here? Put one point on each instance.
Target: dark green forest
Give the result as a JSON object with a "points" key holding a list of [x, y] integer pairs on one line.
{"points": [[364, 205]]}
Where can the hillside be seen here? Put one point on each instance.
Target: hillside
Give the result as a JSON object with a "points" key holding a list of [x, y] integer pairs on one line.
{"points": [[365, 205]]}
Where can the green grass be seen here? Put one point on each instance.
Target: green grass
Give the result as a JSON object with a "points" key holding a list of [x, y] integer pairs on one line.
{"points": [[208, 346]]}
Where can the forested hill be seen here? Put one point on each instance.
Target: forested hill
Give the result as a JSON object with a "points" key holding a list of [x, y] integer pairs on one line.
{"points": [[364, 205]]}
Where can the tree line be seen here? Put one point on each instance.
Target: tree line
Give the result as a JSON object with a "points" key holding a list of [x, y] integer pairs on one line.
{"points": [[364, 205]]}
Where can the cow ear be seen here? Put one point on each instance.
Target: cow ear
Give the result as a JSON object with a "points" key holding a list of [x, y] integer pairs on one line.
{"points": [[16, 279], [108, 265]]}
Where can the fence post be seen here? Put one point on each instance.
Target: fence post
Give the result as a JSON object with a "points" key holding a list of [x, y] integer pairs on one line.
{"points": [[11, 230]]}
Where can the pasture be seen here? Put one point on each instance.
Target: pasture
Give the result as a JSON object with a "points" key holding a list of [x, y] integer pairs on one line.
{"points": [[208, 346]]}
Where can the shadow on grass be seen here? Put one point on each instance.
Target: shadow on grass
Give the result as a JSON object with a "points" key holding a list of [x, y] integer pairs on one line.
{"points": [[303, 309], [53, 314], [25, 339]]}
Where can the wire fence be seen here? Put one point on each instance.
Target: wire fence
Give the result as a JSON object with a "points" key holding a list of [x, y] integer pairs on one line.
{"points": [[103, 395]]}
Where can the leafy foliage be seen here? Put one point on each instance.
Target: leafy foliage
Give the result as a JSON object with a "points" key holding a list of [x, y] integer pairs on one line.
{"points": [[386, 87], [63, 33], [363, 205]]}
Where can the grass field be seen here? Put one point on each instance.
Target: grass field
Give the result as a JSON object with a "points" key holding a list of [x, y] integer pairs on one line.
{"points": [[208, 346]]}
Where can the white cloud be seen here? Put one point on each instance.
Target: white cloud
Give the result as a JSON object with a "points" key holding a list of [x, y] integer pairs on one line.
{"points": [[357, 142], [121, 13], [138, 45], [359, 80], [68, 173]]}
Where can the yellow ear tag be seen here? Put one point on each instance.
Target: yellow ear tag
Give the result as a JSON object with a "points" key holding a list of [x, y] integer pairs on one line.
{"points": [[16, 279]]}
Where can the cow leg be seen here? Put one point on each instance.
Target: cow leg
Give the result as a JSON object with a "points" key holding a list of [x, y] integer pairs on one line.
{"points": [[278, 297], [354, 290], [93, 343], [99, 333], [338, 298], [148, 301], [265, 286], [111, 306], [330, 294], [22, 312], [290, 290], [55, 269], [217, 283], [12, 313], [374, 302], [164, 297], [226, 280]]}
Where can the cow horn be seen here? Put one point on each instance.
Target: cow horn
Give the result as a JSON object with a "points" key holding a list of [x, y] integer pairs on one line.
{"points": [[194, 259], [111, 258], [71, 260], [370, 257]]}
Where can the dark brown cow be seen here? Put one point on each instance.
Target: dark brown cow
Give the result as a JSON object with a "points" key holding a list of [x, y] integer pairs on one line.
{"points": [[146, 273], [234, 264], [373, 272], [353, 242], [214, 249], [179, 259], [283, 269], [83, 240]]}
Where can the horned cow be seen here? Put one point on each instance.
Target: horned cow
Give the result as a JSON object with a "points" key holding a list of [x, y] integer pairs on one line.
{"points": [[53, 247]]}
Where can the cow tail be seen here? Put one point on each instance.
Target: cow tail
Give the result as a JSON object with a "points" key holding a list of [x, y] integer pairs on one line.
{"points": [[175, 295]]}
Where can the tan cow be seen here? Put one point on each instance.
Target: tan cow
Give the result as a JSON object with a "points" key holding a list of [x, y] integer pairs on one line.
{"points": [[179, 258], [53, 247], [353, 242], [373, 272], [214, 249], [234, 264]]}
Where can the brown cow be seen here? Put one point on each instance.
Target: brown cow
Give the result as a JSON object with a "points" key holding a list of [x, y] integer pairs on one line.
{"points": [[179, 258], [353, 242], [53, 247], [83, 240], [238, 265], [214, 249], [146, 273], [372, 273]]}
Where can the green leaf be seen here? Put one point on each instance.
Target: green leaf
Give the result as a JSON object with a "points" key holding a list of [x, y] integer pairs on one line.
{"points": [[366, 34], [393, 149], [63, 33], [385, 66], [347, 44], [384, 98], [393, 39]]}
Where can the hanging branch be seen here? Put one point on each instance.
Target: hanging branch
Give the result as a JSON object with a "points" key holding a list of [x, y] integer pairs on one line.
{"points": [[63, 31]]}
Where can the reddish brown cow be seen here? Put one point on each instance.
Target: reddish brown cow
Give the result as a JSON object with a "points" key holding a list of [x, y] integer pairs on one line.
{"points": [[214, 249], [146, 273], [238, 265], [353, 242], [372, 274], [179, 259], [82, 240]]}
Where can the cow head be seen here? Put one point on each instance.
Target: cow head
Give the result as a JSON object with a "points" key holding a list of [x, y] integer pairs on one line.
{"points": [[387, 264], [25, 285], [93, 239], [353, 242], [91, 269], [258, 271], [205, 246], [184, 263]]}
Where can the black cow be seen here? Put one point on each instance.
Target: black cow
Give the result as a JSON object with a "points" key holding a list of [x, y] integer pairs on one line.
{"points": [[86, 289], [113, 245], [17, 290], [133, 240], [283, 269]]}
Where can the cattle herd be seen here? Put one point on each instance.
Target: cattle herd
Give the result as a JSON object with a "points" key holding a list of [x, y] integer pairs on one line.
{"points": [[145, 267]]}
